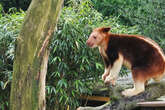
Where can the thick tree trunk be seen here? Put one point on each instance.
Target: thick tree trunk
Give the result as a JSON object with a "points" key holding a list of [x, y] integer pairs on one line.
{"points": [[30, 65], [118, 102]]}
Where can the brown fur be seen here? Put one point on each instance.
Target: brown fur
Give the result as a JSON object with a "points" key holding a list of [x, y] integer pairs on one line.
{"points": [[142, 55]]}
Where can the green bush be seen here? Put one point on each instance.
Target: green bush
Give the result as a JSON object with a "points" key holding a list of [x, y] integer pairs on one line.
{"points": [[148, 15], [18, 4]]}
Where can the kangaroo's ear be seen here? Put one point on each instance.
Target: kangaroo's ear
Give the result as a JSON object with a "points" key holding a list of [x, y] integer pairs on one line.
{"points": [[105, 29]]}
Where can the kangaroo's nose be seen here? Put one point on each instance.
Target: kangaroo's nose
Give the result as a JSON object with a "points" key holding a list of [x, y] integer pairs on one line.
{"points": [[87, 43]]}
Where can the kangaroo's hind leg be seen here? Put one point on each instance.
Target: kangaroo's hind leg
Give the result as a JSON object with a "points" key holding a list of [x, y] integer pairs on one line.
{"points": [[139, 83]]}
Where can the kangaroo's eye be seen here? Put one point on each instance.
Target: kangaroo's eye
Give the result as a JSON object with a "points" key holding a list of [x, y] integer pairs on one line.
{"points": [[94, 37]]}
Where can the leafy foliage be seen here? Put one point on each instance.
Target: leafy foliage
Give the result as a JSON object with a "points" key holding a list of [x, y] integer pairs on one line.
{"points": [[71, 61], [18, 4], [148, 15]]}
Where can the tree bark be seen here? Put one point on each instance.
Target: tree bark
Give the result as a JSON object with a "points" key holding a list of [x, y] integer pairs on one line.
{"points": [[118, 102], [31, 56]]}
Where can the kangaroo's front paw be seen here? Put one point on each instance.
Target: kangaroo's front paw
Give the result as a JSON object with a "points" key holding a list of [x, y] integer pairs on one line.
{"points": [[110, 79], [104, 76]]}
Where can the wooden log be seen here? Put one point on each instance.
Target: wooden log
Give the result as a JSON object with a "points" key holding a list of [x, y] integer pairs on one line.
{"points": [[119, 102], [95, 98], [152, 104]]}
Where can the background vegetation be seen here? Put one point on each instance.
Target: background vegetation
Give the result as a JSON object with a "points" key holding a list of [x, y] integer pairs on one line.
{"points": [[19, 4], [74, 68], [147, 15]]}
